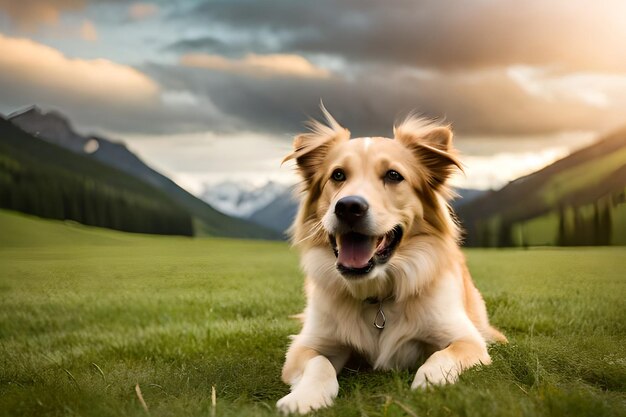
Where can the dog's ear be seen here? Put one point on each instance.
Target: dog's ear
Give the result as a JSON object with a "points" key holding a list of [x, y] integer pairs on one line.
{"points": [[310, 149], [432, 145]]}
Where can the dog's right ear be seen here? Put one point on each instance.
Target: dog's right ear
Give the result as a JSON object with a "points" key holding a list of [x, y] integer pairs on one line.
{"points": [[310, 149]]}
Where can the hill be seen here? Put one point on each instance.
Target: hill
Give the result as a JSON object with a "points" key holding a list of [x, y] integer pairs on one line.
{"points": [[40, 178], [578, 200], [53, 127]]}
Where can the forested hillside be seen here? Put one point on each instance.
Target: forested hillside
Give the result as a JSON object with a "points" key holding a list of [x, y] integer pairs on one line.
{"points": [[56, 128], [44, 179], [578, 200]]}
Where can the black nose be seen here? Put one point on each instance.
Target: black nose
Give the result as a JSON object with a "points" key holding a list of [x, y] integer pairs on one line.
{"points": [[351, 209]]}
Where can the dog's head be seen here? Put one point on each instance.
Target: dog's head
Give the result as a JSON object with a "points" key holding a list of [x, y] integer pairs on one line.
{"points": [[366, 198]]}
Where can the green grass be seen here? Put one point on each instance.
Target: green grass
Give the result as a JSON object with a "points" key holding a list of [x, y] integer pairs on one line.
{"points": [[86, 314]]}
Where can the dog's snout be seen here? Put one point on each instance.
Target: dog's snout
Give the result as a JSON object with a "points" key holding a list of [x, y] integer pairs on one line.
{"points": [[351, 208]]}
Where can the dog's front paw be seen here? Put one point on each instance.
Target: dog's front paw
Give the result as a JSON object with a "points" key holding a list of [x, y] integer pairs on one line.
{"points": [[305, 399], [439, 369]]}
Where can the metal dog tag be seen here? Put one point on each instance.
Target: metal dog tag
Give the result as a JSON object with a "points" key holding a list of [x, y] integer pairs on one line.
{"points": [[380, 319]]}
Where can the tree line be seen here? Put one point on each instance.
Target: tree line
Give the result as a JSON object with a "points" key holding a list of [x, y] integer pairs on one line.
{"points": [[584, 225], [72, 197]]}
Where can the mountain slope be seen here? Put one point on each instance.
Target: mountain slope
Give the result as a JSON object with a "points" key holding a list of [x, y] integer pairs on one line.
{"points": [[44, 179], [577, 200], [466, 196], [55, 128], [278, 214]]}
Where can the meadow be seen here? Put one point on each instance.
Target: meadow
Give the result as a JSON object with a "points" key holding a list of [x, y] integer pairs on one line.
{"points": [[87, 315]]}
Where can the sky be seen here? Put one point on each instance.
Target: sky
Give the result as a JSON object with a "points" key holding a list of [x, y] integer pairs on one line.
{"points": [[207, 91]]}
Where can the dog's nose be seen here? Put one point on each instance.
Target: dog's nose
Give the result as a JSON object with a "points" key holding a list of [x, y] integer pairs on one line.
{"points": [[351, 208]]}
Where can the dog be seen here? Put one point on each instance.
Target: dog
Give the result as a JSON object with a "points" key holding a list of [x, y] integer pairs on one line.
{"points": [[385, 276]]}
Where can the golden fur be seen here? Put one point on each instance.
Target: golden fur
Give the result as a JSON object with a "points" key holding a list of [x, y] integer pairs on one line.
{"points": [[432, 307]]}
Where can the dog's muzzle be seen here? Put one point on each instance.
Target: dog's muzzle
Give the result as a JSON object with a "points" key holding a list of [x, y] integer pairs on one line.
{"points": [[358, 251]]}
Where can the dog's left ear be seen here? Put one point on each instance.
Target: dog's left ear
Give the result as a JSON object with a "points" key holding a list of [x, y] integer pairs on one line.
{"points": [[432, 145]]}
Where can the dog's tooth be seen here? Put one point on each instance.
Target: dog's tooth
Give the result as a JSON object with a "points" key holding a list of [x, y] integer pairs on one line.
{"points": [[381, 243]]}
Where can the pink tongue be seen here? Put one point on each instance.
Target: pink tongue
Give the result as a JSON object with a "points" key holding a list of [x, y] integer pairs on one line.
{"points": [[355, 250]]}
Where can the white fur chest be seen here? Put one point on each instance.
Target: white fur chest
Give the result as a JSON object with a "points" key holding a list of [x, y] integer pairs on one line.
{"points": [[413, 327], [396, 346]]}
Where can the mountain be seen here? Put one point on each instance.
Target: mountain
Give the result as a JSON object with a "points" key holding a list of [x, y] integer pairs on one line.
{"points": [[241, 199], [279, 213], [55, 128], [578, 200], [465, 196], [44, 179]]}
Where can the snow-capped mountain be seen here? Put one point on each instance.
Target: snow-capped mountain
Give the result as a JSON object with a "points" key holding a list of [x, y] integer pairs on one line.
{"points": [[241, 199]]}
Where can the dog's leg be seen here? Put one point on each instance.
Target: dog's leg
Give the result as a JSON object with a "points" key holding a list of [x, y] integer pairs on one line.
{"points": [[444, 366], [313, 379]]}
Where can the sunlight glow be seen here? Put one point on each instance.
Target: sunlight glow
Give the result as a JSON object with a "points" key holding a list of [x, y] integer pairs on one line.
{"points": [[260, 65], [44, 69]]}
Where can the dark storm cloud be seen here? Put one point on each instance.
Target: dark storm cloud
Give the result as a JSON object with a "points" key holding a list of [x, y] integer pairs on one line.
{"points": [[452, 34], [467, 49], [204, 44], [369, 104], [214, 45]]}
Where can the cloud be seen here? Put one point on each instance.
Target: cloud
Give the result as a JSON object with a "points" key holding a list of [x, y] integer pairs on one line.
{"points": [[496, 170], [88, 31], [43, 70], [595, 89], [98, 94], [141, 11], [451, 35], [28, 15], [257, 65], [493, 162], [193, 159], [224, 46], [481, 102], [204, 44], [489, 67]]}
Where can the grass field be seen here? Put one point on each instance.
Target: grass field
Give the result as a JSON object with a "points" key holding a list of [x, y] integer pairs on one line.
{"points": [[87, 314]]}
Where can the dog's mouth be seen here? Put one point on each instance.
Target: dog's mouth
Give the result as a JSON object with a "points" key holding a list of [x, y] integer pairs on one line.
{"points": [[358, 254]]}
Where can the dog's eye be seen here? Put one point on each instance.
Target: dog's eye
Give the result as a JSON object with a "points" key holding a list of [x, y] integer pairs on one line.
{"points": [[393, 176], [338, 175]]}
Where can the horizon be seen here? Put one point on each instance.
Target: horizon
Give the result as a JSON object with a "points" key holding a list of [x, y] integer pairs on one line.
{"points": [[211, 91]]}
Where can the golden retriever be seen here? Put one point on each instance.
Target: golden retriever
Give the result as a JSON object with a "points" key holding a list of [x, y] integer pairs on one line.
{"points": [[385, 277]]}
